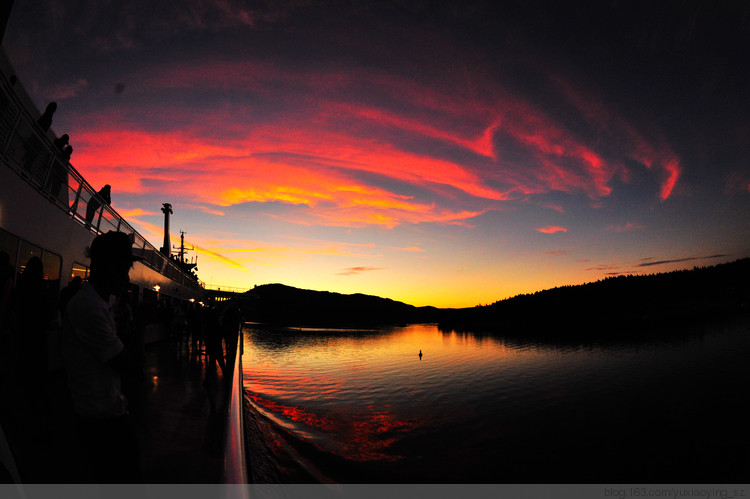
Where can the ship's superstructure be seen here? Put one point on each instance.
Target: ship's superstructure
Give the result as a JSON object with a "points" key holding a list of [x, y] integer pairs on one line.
{"points": [[46, 207], [50, 212]]}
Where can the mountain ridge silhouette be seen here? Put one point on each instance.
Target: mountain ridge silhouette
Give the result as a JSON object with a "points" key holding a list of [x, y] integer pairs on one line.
{"points": [[623, 301]]}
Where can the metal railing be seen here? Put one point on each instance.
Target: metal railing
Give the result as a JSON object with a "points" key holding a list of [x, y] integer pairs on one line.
{"points": [[228, 289], [235, 463], [31, 154]]}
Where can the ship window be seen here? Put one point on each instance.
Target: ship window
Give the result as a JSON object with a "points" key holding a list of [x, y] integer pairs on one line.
{"points": [[80, 270], [21, 252], [26, 253], [9, 244], [51, 263]]}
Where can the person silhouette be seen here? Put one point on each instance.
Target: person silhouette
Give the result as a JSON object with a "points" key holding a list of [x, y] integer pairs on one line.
{"points": [[6, 286], [68, 292], [61, 141], [31, 308], [420, 355], [95, 361], [33, 145], [45, 120], [103, 196], [67, 152]]}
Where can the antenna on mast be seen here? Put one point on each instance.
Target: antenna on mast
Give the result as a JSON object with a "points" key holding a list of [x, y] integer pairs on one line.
{"points": [[181, 249]]}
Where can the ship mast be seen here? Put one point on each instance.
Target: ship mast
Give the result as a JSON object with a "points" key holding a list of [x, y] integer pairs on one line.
{"points": [[181, 249], [168, 250]]}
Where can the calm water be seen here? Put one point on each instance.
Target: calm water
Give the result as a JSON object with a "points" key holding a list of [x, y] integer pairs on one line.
{"points": [[360, 406]]}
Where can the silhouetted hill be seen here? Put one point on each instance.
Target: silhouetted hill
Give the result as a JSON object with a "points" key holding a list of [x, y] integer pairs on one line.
{"points": [[599, 309], [280, 304], [616, 304]]}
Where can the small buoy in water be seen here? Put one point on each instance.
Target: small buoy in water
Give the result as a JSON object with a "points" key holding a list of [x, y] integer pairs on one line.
{"points": [[420, 355]]}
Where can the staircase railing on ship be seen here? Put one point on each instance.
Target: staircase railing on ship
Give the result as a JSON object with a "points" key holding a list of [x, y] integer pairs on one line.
{"points": [[31, 153]]}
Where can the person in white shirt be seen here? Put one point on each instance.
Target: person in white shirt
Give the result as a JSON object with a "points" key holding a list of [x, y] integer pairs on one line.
{"points": [[94, 359]]}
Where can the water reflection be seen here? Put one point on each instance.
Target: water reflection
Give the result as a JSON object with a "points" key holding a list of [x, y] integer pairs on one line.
{"points": [[283, 337], [361, 404], [571, 337]]}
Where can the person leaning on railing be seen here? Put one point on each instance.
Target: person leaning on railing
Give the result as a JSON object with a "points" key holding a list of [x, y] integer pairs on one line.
{"points": [[103, 196]]}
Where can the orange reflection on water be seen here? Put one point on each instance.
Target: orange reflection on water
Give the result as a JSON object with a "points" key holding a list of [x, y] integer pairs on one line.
{"points": [[358, 394], [358, 434], [293, 413], [368, 435]]}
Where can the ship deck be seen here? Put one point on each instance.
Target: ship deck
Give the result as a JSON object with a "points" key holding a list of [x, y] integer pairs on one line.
{"points": [[179, 418]]}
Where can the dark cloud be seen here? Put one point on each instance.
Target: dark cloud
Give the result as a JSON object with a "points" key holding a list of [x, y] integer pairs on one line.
{"points": [[556, 253], [679, 260], [602, 268]]}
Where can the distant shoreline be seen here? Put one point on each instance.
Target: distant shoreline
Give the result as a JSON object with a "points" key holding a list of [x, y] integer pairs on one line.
{"points": [[612, 306]]}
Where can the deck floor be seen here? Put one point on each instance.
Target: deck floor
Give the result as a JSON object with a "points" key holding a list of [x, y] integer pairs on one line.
{"points": [[179, 418]]}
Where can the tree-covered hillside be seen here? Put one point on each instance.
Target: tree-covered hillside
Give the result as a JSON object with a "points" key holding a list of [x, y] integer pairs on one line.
{"points": [[618, 302]]}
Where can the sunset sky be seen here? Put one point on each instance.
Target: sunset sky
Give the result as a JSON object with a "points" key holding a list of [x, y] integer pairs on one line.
{"points": [[436, 153]]}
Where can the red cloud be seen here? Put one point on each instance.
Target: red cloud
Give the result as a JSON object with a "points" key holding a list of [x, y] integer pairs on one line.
{"points": [[635, 146], [737, 183], [175, 165], [625, 228], [552, 229], [452, 117], [317, 152]]}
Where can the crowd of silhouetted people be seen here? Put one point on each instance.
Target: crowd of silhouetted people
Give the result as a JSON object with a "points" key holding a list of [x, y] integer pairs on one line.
{"points": [[62, 143], [26, 314], [57, 178], [31, 308], [62, 147]]}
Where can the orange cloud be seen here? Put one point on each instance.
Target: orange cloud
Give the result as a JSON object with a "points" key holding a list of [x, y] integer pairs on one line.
{"points": [[552, 229], [136, 212], [153, 232], [173, 164], [218, 256], [358, 270], [239, 249]]}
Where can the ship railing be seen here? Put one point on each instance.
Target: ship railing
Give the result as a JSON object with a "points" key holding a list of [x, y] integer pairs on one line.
{"points": [[229, 289], [235, 462], [31, 153]]}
